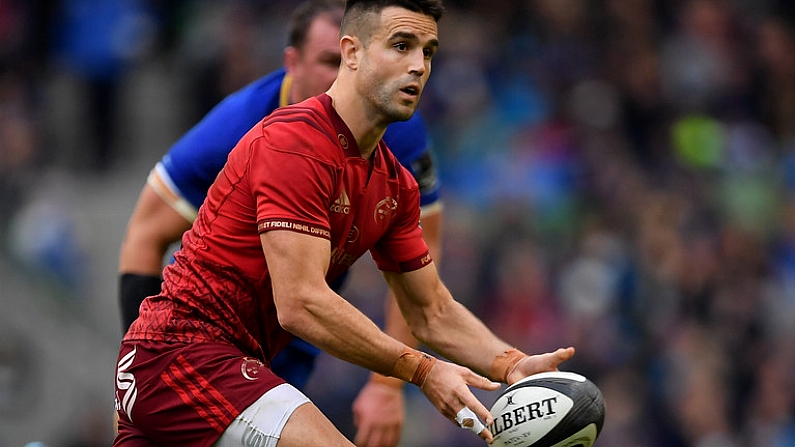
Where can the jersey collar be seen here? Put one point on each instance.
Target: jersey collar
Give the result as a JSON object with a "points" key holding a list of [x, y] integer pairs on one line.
{"points": [[284, 92], [344, 134]]}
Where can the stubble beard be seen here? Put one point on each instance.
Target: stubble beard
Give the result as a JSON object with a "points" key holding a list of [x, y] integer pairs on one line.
{"points": [[386, 104], [382, 99]]}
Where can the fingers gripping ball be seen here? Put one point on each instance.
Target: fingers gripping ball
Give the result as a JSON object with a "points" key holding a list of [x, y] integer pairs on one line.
{"points": [[551, 409]]}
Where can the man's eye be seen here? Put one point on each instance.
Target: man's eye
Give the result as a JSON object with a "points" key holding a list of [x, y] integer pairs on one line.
{"points": [[401, 46]]}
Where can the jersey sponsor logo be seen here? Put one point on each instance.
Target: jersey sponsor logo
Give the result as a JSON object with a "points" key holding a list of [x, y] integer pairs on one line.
{"points": [[384, 209], [342, 205], [125, 384], [250, 368]]}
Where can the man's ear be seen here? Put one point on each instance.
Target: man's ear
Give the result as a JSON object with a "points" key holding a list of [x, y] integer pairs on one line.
{"points": [[349, 48], [291, 58]]}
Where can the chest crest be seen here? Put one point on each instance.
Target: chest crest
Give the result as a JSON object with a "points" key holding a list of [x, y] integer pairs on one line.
{"points": [[385, 209]]}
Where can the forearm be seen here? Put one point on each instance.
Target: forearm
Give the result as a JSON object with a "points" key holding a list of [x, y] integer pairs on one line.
{"points": [[142, 256], [454, 332], [308, 308], [153, 227], [140, 268], [394, 324], [332, 324], [445, 325]]}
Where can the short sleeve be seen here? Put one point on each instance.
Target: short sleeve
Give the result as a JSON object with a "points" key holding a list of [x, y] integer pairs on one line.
{"points": [[291, 189], [403, 249]]}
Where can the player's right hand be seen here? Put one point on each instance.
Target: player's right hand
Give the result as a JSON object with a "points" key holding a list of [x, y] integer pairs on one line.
{"points": [[447, 387], [534, 364]]}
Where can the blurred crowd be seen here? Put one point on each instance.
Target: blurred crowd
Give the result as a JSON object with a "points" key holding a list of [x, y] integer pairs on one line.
{"points": [[618, 175]]}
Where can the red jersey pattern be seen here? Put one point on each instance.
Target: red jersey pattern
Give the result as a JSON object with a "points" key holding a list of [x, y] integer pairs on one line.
{"points": [[298, 170]]}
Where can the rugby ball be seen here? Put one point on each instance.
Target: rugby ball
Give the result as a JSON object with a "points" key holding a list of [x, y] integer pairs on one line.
{"points": [[551, 409]]}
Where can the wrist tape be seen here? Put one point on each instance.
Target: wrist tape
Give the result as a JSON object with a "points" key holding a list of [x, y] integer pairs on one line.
{"points": [[413, 366], [503, 365]]}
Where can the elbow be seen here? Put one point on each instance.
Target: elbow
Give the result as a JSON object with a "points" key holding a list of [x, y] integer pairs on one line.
{"points": [[424, 325], [291, 321], [422, 334], [421, 326], [135, 252], [140, 252], [293, 313]]}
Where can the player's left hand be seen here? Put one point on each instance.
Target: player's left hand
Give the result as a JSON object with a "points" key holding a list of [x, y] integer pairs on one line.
{"points": [[378, 414], [534, 364]]}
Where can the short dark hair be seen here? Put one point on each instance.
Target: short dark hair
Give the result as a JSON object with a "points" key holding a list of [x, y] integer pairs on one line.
{"points": [[355, 10], [306, 13]]}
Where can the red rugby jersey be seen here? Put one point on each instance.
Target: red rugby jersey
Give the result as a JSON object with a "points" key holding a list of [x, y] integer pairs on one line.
{"points": [[299, 170]]}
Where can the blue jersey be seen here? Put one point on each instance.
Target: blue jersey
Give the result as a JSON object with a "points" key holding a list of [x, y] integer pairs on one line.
{"points": [[185, 173]]}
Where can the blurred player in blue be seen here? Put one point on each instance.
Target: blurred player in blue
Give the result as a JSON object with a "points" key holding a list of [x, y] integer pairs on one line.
{"points": [[177, 186]]}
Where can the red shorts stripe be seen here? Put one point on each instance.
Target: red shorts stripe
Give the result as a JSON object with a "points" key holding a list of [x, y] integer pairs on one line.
{"points": [[206, 386], [189, 398]]}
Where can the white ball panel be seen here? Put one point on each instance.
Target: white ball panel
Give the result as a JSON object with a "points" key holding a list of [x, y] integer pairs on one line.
{"points": [[525, 415]]}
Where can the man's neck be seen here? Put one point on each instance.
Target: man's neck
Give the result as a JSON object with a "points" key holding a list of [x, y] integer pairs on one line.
{"points": [[366, 132]]}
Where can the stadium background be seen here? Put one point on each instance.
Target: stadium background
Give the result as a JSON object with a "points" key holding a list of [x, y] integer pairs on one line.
{"points": [[618, 175]]}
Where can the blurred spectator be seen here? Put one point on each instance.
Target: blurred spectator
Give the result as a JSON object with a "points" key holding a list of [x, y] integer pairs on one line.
{"points": [[18, 144], [19, 125], [44, 238], [94, 43], [776, 50]]}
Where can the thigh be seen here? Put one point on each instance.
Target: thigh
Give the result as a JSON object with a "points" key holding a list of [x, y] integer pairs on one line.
{"points": [[309, 426], [262, 423], [281, 417]]}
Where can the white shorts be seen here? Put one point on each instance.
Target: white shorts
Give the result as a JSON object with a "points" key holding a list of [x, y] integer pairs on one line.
{"points": [[261, 424]]}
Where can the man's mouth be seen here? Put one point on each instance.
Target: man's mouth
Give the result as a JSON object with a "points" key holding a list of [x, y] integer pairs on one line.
{"points": [[411, 90]]}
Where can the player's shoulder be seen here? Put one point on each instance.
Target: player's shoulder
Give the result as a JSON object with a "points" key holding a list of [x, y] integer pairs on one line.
{"points": [[305, 127], [305, 120]]}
